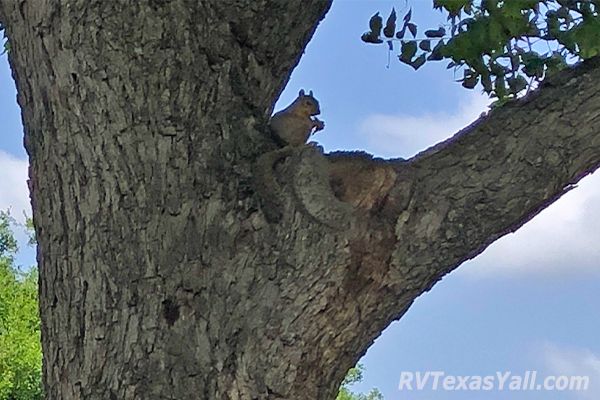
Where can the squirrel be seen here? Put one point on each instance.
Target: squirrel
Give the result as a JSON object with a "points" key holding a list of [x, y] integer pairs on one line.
{"points": [[294, 124], [291, 127]]}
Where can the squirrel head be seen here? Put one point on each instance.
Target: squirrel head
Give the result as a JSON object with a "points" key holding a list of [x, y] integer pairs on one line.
{"points": [[307, 104]]}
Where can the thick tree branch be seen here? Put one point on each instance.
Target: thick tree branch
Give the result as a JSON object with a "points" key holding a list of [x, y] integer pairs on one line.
{"points": [[498, 173], [449, 203], [142, 121]]}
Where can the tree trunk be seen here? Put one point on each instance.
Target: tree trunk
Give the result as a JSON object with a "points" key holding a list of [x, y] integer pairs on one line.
{"points": [[161, 277]]}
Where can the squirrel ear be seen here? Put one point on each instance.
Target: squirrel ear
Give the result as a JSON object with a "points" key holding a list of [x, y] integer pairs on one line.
{"points": [[301, 92], [310, 93]]}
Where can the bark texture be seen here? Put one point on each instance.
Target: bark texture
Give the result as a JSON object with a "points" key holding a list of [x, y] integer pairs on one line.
{"points": [[160, 276]]}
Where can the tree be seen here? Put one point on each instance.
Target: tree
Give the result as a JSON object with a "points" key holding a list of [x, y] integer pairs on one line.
{"points": [[160, 276], [354, 375], [20, 348]]}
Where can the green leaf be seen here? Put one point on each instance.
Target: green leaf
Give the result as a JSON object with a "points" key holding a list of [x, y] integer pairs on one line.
{"points": [[486, 82], [500, 87], [497, 69], [418, 62], [425, 45], [489, 6], [568, 40], [407, 17], [375, 24], [436, 53], [555, 63], [400, 33], [412, 28], [516, 84], [390, 25], [437, 33], [453, 7], [533, 64], [563, 12], [587, 37], [470, 79], [369, 37], [470, 82], [408, 51]]}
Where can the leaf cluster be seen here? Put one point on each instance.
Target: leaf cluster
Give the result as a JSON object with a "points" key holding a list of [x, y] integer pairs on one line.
{"points": [[20, 347], [8, 243], [507, 46], [355, 375]]}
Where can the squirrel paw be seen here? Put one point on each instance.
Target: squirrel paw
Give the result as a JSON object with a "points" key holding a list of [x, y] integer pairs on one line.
{"points": [[318, 125]]}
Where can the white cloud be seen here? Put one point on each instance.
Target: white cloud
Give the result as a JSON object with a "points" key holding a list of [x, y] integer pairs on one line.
{"points": [[573, 362], [562, 240], [14, 194], [406, 135]]}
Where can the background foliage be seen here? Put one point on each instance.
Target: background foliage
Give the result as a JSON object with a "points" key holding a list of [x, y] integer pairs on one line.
{"points": [[20, 348], [355, 375]]}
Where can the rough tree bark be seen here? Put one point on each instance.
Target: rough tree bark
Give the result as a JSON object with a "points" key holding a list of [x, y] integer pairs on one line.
{"points": [[160, 276]]}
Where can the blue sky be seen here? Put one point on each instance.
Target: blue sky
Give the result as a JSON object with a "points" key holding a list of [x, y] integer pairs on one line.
{"points": [[529, 302]]}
